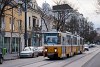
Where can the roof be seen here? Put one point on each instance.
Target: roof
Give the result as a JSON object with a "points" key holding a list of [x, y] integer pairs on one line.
{"points": [[52, 32], [62, 7]]}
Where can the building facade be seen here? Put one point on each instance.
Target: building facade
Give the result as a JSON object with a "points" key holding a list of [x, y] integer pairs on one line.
{"points": [[13, 25], [37, 23]]}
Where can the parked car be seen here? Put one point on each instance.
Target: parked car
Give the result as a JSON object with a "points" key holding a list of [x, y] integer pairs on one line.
{"points": [[86, 47], [92, 45], [29, 52], [1, 56], [40, 50]]}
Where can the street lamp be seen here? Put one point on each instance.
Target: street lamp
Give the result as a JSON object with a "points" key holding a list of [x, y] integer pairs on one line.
{"points": [[0, 11], [2, 33], [0, 22], [25, 34]]}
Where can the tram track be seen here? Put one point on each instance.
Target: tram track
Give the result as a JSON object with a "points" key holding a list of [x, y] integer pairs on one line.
{"points": [[79, 58], [70, 61], [38, 62], [22, 65], [29, 63]]}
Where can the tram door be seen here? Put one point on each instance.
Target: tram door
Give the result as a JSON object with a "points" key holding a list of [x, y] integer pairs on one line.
{"points": [[71, 43], [63, 47]]}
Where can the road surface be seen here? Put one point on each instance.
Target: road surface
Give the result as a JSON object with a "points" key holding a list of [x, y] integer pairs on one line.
{"points": [[75, 61], [93, 62]]}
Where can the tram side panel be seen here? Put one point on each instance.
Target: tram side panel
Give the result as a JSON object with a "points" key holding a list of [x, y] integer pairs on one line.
{"points": [[68, 45], [78, 45], [82, 45], [68, 50]]}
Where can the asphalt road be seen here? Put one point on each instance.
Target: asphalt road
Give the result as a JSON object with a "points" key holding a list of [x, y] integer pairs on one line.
{"points": [[45, 62], [93, 62], [40, 62]]}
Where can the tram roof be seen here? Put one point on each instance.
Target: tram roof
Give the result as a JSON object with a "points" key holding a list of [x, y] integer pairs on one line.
{"points": [[63, 32]]}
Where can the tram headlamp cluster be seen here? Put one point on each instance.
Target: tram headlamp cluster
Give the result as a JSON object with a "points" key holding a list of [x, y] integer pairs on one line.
{"points": [[55, 50], [46, 50]]}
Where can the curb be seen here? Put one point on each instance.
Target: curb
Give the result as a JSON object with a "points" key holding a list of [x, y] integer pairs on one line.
{"points": [[11, 59]]}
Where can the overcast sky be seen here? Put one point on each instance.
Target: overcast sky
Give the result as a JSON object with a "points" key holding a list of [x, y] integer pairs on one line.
{"points": [[86, 7]]}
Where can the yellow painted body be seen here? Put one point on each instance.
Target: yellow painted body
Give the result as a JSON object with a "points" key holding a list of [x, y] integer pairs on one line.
{"points": [[68, 50], [50, 49], [69, 45]]}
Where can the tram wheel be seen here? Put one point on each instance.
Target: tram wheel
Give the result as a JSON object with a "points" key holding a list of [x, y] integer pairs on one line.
{"points": [[68, 56], [80, 52]]}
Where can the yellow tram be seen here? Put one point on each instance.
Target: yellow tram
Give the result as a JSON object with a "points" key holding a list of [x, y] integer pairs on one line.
{"points": [[60, 45]]}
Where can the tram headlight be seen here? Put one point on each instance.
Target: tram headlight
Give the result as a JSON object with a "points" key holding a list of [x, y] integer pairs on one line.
{"points": [[46, 50], [55, 50]]}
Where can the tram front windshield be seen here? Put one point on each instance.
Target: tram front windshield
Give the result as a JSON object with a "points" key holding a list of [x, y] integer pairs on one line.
{"points": [[52, 39]]}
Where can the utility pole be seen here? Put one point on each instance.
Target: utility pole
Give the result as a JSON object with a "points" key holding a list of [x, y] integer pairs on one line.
{"points": [[11, 32], [0, 14], [25, 35], [0, 25], [19, 35]]}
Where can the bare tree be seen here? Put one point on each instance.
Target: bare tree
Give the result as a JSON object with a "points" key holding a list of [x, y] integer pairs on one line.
{"points": [[57, 2], [73, 25], [3, 5], [98, 6], [82, 28], [63, 14]]}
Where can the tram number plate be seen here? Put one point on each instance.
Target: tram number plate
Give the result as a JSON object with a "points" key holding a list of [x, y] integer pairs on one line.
{"points": [[50, 53]]}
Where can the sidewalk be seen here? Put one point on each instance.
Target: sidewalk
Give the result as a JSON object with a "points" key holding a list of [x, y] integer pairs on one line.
{"points": [[10, 57]]}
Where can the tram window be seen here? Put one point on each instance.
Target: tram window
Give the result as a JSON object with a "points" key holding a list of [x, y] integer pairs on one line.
{"points": [[51, 40], [59, 40], [48, 39], [74, 41], [78, 42], [54, 40], [64, 41], [81, 42], [68, 40]]}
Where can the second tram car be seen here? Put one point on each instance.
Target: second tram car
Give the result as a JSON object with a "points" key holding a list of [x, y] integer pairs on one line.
{"points": [[60, 45]]}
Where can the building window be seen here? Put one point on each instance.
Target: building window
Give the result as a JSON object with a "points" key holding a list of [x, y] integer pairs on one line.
{"points": [[7, 43], [37, 22], [20, 25], [3, 23], [11, 22], [34, 22], [29, 22]]}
